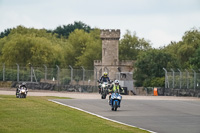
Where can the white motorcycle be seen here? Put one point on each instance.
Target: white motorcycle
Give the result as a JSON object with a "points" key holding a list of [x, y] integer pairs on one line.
{"points": [[104, 89], [22, 92]]}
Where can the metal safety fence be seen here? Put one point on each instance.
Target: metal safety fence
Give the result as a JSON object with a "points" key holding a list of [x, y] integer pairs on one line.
{"points": [[68, 79], [182, 82]]}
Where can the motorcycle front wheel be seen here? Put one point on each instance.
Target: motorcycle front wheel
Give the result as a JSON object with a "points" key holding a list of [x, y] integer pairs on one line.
{"points": [[115, 106]]}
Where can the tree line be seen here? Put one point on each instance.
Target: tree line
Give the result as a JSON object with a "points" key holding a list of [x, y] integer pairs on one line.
{"points": [[79, 45], [76, 45]]}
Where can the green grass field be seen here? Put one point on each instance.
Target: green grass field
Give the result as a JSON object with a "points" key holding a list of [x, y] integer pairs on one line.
{"points": [[38, 115]]}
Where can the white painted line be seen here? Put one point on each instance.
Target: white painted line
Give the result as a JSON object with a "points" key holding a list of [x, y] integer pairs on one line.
{"points": [[99, 116]]}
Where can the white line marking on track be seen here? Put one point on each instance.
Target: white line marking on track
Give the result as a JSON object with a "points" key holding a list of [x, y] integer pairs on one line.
{"points": [[99, 116]]}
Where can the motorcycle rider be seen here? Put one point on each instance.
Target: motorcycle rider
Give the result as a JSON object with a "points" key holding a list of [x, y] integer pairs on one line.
{"points": [[115, 88], [22, 85], [103, 78]]}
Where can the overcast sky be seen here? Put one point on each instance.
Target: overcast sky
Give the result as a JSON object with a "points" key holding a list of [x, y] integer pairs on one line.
{"points": [[160, 21]]}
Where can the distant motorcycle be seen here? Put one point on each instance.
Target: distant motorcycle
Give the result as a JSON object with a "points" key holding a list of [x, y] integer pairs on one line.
{"points": [[115, 101], [22, 92], [104, 89]]}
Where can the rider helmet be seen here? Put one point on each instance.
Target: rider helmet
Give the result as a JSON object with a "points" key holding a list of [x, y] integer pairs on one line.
{"points": [[116, 82], [105, 74]]}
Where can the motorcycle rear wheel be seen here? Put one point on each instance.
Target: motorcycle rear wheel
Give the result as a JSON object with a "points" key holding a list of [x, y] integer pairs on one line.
{"points": [[103, 96]]}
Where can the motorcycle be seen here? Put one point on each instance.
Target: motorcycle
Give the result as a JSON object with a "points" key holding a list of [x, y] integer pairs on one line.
{"points": [[104, 89], [115, 101], [22, 92]]}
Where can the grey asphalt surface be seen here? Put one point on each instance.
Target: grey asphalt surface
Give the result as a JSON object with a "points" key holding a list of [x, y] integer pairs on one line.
{"points": [[162, 116]]}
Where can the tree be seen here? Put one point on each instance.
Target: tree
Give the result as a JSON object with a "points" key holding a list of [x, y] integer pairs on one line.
{"points": [[186, 48], [184, 53], [130, 46], [150, 64], [194, 61], [83, 48], [92, 51], [65, 30], [5, 33], [192, 38], [25, 46]]}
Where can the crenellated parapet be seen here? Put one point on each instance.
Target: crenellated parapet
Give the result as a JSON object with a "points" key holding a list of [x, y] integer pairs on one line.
{"points": [[110, 34], [97, 63]]}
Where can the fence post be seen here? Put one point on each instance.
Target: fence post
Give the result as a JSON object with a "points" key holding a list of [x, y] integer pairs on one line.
{"points": [[180, 78], [173, 77], [187, 77], [83, 74], [166, 79], [198, 81], [95, 76], [17, 72], [71, 73], [45, 74], [31, 72], [194, 80], [3, 71], [58, 74]]}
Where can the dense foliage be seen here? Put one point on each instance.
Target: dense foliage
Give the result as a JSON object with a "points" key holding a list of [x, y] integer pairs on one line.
{"points": [[83, 48], [149, 66], [130, 46], [65, 30], [5, 33], [37, 46], [34, 46], [184, 54]]}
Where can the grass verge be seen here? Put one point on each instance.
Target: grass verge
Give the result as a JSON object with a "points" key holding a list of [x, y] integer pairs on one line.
{"points": [[38, 115]]}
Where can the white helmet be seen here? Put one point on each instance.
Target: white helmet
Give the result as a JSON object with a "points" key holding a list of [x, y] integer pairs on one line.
{"points": [[116, 82]]}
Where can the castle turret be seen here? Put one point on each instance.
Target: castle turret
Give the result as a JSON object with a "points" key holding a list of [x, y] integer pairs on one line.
{"points": [[110, 55], [110, 42]]}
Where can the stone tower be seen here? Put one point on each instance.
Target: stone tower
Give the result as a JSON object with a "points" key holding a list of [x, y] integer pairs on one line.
{"points": [[110, 40], [110, 56]]}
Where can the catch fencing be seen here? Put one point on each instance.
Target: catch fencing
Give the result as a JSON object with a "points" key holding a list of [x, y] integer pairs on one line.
{"points": [[182, 82], [68, 79]]}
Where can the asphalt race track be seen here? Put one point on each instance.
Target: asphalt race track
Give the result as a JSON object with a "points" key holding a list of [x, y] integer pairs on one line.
{"points": [[162, 116]]}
